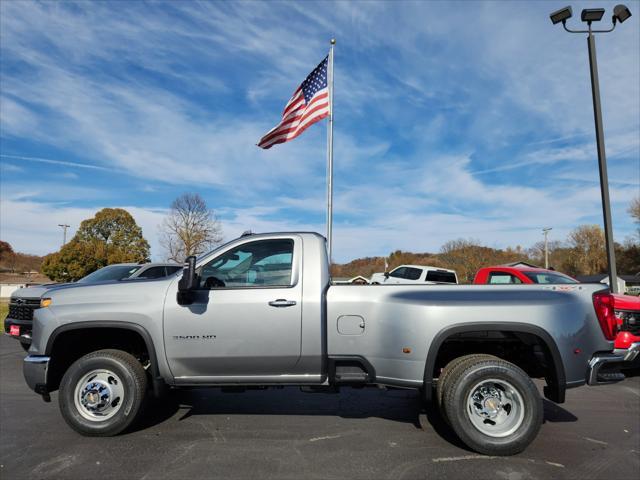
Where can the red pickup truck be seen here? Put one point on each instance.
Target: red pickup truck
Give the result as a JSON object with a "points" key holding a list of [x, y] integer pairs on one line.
{"points": [[626, 308]]}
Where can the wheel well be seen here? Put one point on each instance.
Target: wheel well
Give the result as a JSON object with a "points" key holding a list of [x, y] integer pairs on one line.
{"points": [[68, 346], [536, 355]]}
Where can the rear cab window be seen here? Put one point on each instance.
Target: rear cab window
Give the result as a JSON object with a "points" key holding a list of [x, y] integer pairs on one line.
{"points": [[549, 277], [441, 276]]}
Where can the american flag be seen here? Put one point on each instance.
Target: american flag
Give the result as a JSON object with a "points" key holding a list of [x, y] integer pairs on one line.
{"points": [[309, 104]]}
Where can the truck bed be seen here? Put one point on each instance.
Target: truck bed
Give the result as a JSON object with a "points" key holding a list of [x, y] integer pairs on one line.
{"points": [[362, 321]]}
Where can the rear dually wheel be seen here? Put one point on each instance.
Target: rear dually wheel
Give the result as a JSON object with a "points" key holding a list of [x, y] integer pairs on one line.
{"points": [[493, 406]]}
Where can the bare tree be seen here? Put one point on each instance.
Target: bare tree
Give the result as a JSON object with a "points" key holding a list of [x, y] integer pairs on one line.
{"points": [[634, 209], [190, 228]]}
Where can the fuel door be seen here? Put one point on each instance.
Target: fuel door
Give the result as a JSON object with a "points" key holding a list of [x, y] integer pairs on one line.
{"points": [[350, 325]]}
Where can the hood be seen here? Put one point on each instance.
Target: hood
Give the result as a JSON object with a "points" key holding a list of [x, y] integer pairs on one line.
{"points": [[127, 281], [34, 292]]}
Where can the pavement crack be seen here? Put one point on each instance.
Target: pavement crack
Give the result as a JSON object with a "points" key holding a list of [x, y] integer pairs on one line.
{"points": [[327, 437], [593, 440], [461, 458]]}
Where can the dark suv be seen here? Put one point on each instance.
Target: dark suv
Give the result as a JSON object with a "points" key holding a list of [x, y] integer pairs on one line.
{"points": [[25, 300]]}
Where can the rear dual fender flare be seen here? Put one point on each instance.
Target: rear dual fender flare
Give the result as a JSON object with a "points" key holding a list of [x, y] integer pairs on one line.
{"points": [[556, 388], [146, 337]]}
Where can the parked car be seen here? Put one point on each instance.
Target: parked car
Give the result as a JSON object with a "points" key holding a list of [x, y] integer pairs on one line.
{"points": [[412, 274], [625, 307], [24, 301], [261, 311]]}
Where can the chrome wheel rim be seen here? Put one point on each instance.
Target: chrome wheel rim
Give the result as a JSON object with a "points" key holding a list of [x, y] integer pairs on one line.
{"points": [[99, 395], [495, 407]]}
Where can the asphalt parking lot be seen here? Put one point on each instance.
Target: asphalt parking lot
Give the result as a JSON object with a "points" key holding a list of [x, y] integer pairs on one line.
{"points": [[368, 434]]}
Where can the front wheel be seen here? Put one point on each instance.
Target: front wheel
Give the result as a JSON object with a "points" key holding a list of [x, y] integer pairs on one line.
{"points": [[102, 392], [493, 406]]}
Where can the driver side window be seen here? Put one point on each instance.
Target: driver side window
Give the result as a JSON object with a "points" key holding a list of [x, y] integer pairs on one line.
{"points": [[264, 263]]}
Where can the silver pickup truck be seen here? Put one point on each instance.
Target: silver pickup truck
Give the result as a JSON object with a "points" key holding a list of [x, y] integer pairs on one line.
{"points": [[261, 311]]}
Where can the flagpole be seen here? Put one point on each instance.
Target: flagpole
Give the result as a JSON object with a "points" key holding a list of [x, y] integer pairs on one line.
{"points": [[330, 156]]}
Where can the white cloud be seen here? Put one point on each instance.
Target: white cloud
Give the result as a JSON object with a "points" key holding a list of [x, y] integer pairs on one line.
{"points": [[409, 88], [16, 119], [32, 227]]}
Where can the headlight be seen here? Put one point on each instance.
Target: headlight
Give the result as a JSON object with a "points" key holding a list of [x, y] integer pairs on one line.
{"points": [[45, 302]]}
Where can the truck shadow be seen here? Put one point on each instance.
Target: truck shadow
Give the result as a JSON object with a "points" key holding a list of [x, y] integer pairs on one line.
{"points": [[397, 405], [394, 404], [556, 414]]}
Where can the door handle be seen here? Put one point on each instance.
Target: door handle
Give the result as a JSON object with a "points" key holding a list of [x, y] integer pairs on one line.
{"points": [[281, 302]]}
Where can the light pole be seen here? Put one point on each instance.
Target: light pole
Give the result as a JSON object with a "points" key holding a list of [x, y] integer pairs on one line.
{"points": [[590, 15], [545, 232], [64, 232]]}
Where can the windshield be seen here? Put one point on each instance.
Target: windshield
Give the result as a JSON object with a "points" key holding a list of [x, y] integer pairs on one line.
{"points": [[549, 277], [112, 272]]}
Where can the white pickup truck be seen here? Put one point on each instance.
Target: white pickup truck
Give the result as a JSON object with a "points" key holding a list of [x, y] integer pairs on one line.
{"points": [[415, 274]]}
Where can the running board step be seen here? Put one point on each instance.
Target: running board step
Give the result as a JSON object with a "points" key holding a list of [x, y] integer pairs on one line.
{"points": [[350, 374]]}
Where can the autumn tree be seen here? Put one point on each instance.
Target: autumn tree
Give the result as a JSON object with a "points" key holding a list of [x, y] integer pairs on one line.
{"points": [[7, 256], [17, 262], [634, 211], [112, 236], [190, 228], [587, 255], [628, 258], [466, 257]]}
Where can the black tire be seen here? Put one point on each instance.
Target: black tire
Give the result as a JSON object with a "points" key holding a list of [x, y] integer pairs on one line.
{"points": [[449, 369], [131, 384], [526, 419]]}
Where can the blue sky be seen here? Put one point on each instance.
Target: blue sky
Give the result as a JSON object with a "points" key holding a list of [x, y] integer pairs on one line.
{"points": [[452, 120]]}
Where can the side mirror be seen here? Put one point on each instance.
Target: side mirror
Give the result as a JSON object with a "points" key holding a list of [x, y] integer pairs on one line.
{"points": [[386, 274], [188, 282]]}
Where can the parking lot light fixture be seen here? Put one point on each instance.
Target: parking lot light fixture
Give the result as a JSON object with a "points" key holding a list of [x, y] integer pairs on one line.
{"points": [[592, 15], [620, 13], [561, 15]]}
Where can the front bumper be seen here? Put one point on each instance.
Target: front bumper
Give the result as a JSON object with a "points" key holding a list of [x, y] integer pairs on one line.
{"points": [[35, 369], [24, 329], [605, 368]]}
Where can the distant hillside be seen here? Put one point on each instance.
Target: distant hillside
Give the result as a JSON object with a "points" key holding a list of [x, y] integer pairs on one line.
{"points": [[465, 257], [369, 265], [14, 264]]}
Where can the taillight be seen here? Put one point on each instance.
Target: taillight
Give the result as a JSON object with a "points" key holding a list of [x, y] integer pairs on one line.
{"points": [[14, 330], [603, 304]]}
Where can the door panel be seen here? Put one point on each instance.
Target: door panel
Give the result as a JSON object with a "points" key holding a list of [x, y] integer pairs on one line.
{"points": [[238, 330]]}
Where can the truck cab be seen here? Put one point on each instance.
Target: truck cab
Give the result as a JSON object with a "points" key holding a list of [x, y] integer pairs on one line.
{"points": [[415, 274]]}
